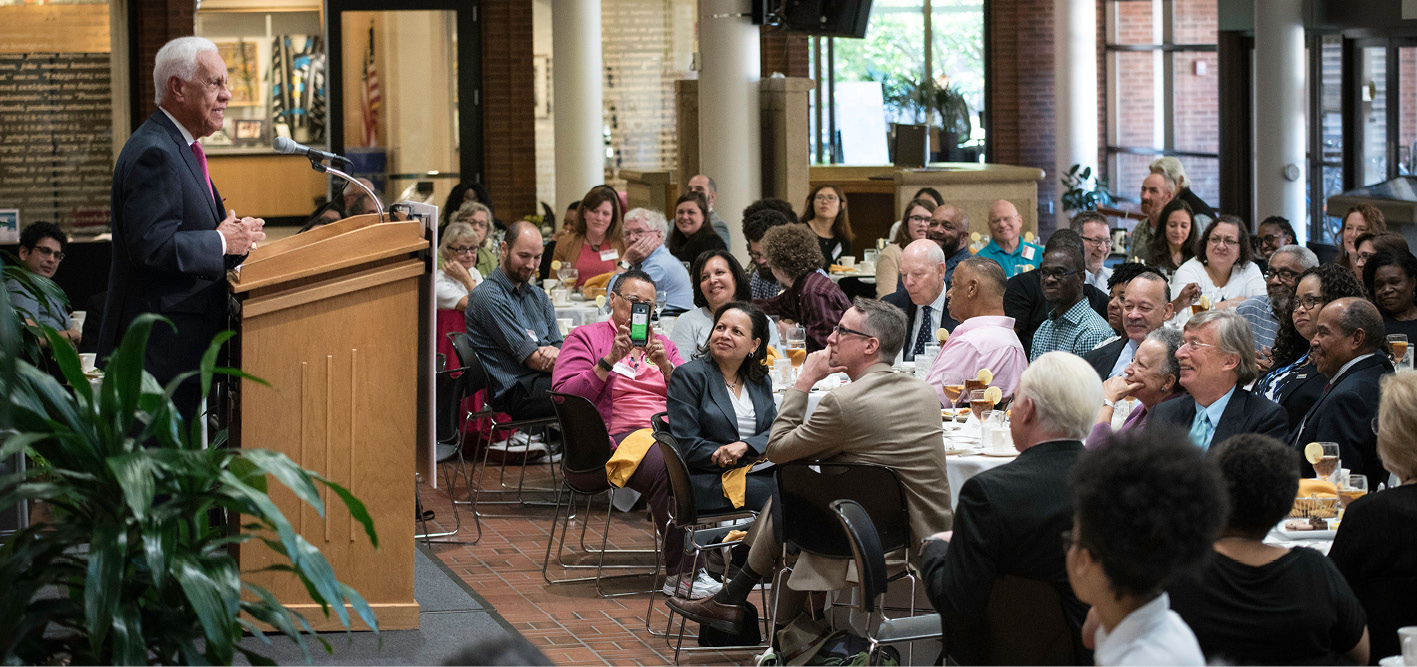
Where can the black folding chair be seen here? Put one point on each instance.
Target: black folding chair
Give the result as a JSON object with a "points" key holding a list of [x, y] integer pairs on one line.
{"points": [[870, 558], [449, 390]]}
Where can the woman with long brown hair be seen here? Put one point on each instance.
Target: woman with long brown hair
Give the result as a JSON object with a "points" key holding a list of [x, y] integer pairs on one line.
{"points": [[1359, 220], [825, 213], [592, 242]]}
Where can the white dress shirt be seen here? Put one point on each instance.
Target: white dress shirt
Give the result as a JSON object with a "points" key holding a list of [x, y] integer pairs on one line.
{"points": [[1150, 635]]}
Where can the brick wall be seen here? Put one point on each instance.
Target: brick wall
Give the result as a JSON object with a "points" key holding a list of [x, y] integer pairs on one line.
{"points": [[153, 23], [785, 53], [1021, 84], [508, 120]]}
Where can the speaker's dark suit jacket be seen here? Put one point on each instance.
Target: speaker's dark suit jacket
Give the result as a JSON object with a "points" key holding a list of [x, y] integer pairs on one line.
{"points": [[702, 419], [1009, 521], [1104, 358], [1023, 301], [167, 255], [901, 299], [1301, 393], [1246, 413], [1344, 414]]}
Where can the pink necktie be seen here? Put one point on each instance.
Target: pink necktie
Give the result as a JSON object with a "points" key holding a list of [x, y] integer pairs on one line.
{"points": [[201, 156]]}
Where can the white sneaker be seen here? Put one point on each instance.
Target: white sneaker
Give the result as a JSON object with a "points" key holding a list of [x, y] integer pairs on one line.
{"points": [[697, 588]]}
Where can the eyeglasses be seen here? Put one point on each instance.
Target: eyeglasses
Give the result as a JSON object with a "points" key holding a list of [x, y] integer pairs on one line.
{"points": [[1308, 302], [1195, 344], [826, 198], [917, 219], [1097, 242], [840, 330], [1283, 274], [1272, 238], [1221, 241], [1365, 256], [628, 233], [462, 249], [1068, 540], [1375, 425], [46, 252], [1056, 274], [633, 299]]}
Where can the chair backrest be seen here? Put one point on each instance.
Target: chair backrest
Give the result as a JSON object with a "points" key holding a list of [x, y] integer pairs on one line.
{"points": [[448, 394], [659, 422], [806, 490], [681, 487], [469, 361], [586, 442], [1024, 624], [865, 550]]}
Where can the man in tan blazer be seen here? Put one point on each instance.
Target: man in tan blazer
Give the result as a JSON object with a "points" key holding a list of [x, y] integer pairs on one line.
{"points": [[881, 417]]}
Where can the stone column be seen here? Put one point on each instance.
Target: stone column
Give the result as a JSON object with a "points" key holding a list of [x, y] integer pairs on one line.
{"points": [[730, 131], [580, 146], [1279, 93], [1075, 90]]}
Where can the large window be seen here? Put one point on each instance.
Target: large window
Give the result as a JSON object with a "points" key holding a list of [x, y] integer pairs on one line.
{"points": [[1162, 92], [910, 45]]}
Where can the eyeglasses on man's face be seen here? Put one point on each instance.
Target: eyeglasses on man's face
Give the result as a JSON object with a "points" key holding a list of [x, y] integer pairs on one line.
{"points": [[1283, 274], [47, 252], [1055, 274], [841, 330], [1099, 242], [1195, 345]]}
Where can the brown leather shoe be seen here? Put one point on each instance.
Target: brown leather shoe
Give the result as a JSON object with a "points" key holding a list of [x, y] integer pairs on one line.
{"points": [[725, 617]]}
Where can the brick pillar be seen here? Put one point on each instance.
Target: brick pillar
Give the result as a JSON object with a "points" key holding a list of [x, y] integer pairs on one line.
{"points": [[783, 52], [1021, 86], [508, 104], [151, 24]]}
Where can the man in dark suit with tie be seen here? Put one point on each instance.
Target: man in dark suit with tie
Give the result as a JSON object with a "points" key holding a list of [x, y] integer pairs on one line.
{"points": [[1146, 306], [1217, 359], [172, 245], [1023, 294], [922, 269], [1348, 349]]}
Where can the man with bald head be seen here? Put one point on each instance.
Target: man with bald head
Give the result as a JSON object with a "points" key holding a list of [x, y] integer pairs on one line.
{"points": [[949, 227], [708, 189], [922, 269], [985, 337], [513, 328], [1005, 245], [1348, 347]]}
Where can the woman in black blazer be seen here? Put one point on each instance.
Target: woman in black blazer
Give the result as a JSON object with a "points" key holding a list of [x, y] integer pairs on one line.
{"points": [[710, 399]]}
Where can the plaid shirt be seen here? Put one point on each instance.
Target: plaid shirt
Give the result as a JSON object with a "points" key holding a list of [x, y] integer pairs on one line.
{"points": [[763, 288], [1077, 331], [506, 322]]}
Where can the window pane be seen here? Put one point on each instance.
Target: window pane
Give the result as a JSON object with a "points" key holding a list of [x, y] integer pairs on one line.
{"points": [[957, 27], [1193, 21], [893, 53], [1128, 171], [1332, 185], [1331, 78], [1197, 106], [1372, 114], [1204, 176], [1134, 22], [1136, 98], [1407, 108]]}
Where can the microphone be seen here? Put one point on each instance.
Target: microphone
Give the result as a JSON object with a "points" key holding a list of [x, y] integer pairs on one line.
{"points": [[285, 146]]}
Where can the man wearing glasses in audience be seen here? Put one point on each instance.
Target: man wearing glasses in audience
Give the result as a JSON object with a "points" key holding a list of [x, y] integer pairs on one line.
{"points": [[1274, 233], [1096, 236], [1263, 312], [1072, 325], [41, 249], [644, 233], [1217, 361]]}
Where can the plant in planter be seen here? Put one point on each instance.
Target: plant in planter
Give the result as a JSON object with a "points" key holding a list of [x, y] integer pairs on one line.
{"points": [[1082, 191], [142, 574]]}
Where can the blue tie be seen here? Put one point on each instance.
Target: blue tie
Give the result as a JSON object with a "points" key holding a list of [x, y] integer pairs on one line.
{"points": [[1201, 430], [924, 336]]}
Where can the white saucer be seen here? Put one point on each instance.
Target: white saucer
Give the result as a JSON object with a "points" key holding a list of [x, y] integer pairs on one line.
{"points": [[999, 452]]}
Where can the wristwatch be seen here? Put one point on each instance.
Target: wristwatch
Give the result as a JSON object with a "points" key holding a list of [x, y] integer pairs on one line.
{"points": [[1108, 403], [605, 364], [623, 264]]}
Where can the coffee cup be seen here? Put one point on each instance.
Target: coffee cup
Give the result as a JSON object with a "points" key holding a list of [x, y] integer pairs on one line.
{"points": [[550, 284], [561, 296], [88, 361], [847, 260], [77, 318], [563, 324]]}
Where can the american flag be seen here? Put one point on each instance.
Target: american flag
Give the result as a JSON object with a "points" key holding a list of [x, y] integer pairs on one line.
{"points": [[371, 95]]}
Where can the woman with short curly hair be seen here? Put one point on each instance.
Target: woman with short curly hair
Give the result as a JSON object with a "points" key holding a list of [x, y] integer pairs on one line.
{"points": [[809, 297]]}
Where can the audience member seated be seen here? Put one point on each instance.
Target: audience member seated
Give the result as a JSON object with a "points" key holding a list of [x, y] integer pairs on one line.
{"points": [[1146, 306], [1153, 376], [1376, 540], [1177, 242], [644, 235], [825, 213], [327, 213], [1223, 270], [1294, 382], [692, 235], [985, 337], [1096, 235], [1359, 220], [721, 407], [707, 188], [479, 217], [1350, 349], [913, 226], [880, 417], [512, 326], [628, 385], [1271, 235], [1371, 244], [763, 217], [1122, 275], [568, 223], [922, 267], [1005, 245], [1156, 193], [1391, 280], [1023, 297], [927, 194], [1146, 509], [949, 227], [457, 274], [42, 247], [718, 279], [463, 193], [1216, 362], [809, 298], [1263, 312], [1009, 518], [1260, 604], [1175, 177], [358, 202], [1072, 325], [591, 241]]}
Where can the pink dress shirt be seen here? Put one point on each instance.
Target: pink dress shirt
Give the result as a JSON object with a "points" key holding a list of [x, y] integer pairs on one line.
{"points": [[986, 341], [574, 372]]}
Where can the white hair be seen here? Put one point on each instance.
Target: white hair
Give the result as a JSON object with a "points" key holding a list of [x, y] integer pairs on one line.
{"points": [[1170, 168], [1065, 391], [1305, 257], [653, 218], [178, 58]]}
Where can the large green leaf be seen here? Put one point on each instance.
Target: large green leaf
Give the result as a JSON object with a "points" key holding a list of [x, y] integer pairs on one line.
{"points": [[135, 475], [356, 508], [104, 583], [129, 646], [294, 477], [206, 597]]}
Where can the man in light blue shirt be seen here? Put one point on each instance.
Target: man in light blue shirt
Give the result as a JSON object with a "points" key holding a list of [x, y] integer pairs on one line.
{"points": [[1282, 276], [644, 232], [1005, 247]]}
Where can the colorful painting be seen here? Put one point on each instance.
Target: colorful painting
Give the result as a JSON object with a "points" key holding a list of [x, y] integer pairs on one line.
{"points": [[242, 72]]}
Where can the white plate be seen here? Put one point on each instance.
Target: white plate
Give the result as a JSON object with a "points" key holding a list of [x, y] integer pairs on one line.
{"points": [[1391, 661], [1306, 534], [999, 453]]}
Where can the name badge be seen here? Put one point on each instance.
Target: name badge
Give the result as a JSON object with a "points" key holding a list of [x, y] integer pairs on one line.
{"points": [[1028, 252], [609, 255], [531, 334], [624, 369], [836, 252]]}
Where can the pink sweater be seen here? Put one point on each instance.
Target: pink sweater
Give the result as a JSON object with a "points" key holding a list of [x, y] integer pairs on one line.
{"points": [[574, 372]]}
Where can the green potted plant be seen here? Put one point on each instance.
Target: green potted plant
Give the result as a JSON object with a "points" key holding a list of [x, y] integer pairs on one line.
{"points": [[1084, 192], [142, 573]]}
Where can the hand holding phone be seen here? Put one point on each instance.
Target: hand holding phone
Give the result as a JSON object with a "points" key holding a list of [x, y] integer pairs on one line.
{"points": [[639, 324]]}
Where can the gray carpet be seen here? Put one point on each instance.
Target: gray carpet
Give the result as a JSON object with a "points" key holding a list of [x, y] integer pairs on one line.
{"points": [[452, 617]]}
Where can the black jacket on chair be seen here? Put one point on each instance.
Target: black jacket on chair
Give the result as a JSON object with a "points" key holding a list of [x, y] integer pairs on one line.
{"points": [[901, 299], [1344, 414], [1104, 358], [1246, 413], [702, 419], [1023, 301]]}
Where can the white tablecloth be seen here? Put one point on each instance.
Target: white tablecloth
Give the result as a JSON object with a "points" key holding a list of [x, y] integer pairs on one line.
{"points": [[579, 312], [868, 278]]}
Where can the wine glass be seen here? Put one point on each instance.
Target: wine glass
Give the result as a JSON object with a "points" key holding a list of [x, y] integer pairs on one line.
{"points": [[953, 385], [1327, 466], [978, 404], [1355, 487], [569, 275], [1398, 343], [661, 297], [797, 344]]}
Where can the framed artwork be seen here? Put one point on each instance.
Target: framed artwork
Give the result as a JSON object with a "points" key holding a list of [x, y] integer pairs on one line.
{"points": [[9, 225], [243, 72], [250, 130]]}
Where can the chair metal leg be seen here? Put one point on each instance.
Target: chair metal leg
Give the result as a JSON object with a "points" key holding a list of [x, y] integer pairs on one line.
{"points": [[599, 567]]}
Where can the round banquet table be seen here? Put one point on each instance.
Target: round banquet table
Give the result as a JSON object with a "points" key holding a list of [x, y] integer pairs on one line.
{"points": [[578, 312]]}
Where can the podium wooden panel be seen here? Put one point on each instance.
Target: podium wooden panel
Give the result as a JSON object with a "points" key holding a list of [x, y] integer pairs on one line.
{"points": [[332, 319]]}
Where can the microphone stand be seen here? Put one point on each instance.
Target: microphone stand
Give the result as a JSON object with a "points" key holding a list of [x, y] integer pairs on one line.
{"points": [[325, 169]]}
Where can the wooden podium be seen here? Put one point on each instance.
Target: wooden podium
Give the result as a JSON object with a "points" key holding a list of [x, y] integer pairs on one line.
{"points": [[333, 319]]}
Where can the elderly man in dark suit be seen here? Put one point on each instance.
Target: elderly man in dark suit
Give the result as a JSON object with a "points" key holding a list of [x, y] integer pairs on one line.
{"points": [[172, 244], [923, 300], [1347, 348], [1146, 306], [1009, 519], [1217, 360]]}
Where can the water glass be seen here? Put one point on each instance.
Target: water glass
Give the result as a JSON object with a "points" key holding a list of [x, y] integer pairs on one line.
{"points": [[925, 360], [782, 371]]}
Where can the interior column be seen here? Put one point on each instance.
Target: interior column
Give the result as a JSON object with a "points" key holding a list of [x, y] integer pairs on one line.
{"points": [[579, 113], [730, 123], [1075, 89], [1279, 113]]}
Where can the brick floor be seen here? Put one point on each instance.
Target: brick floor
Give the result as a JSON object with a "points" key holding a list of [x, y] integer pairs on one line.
{"points": [[569, 622]]}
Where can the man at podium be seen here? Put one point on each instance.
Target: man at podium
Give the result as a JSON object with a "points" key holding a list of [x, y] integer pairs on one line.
{"points": [[172, 244]]}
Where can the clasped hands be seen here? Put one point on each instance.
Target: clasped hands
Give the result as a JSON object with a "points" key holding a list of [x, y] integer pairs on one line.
{"points": [[241, 235], [729, 454]]}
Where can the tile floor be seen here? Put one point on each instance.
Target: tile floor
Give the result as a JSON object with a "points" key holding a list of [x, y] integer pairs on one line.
{"points": [[569, 622]]}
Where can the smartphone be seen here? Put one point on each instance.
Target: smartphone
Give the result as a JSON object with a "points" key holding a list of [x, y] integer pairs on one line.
{"points": [[639, 324]]}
